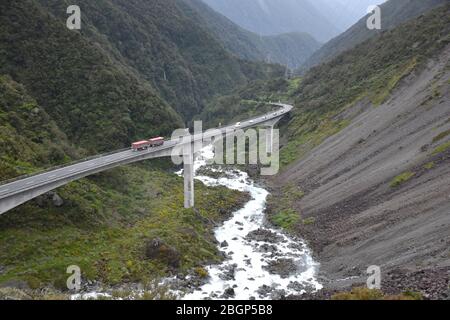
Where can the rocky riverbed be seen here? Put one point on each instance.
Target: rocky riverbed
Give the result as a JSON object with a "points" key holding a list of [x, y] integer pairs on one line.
{"points": [[261, 262]]}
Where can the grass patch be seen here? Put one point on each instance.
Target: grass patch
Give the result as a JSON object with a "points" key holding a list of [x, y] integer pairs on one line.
{"points": [[362, 293], [286, 219], [429, 165], [309, 221], [280, 207], [442, 148], [392, 83], [441, 136], [402, 178]]}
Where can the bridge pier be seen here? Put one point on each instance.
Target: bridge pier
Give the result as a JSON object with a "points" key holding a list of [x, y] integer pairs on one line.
{"points": [[269, 134], [188, 173], [269, 139]]}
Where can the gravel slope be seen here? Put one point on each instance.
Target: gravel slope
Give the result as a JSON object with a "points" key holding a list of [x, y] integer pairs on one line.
{"points": [[360, 220]]}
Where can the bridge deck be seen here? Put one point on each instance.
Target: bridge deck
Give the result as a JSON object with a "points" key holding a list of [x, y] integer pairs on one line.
{"points": [[77, 169]]}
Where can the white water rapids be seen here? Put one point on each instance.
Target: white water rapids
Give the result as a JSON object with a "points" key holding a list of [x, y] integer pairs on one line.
{"points": [[248, 259]]}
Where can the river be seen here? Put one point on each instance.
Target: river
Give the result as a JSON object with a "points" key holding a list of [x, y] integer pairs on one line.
{"points": [[262, 261]]}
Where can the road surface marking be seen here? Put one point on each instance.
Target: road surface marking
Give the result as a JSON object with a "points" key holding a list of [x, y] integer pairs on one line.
{"points": [[52, 176], [30, 182]]}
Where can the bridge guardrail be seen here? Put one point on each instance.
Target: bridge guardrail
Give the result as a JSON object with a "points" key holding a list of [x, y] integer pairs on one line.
{"points": [[25, 176]]}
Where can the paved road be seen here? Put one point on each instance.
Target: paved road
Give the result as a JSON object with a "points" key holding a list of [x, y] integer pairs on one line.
{"points": [[35, 181]]}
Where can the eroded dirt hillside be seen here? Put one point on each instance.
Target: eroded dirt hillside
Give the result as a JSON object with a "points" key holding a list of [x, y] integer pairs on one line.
{"points": [[378, 192]]}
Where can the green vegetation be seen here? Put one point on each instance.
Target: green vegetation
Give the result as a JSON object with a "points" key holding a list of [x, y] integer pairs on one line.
{"points": [[395, 13], [103, 89], [201, 272], [309, 221], [441, 136], [281, 212], [28, 137], [105, 221], [362, 293], [97, 104], [402, 178], [104, 227], [384, 92], [429, 165], [442, 148], [367, 73], [286, 219], [248, 101]]}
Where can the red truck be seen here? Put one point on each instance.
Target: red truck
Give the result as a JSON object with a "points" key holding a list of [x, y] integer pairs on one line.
{"points": [[145, 144]]}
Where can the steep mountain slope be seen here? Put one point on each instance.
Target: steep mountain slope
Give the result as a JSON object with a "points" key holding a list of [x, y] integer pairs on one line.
{"points": [[393, 12], [367, 156], [290, 49], [28, 137], [98, 105], [344, 13], [272, 17], [166, 47]]}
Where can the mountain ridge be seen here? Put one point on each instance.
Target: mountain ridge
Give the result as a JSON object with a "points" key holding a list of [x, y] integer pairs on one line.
{"points": [[394, 12], [289, 49]]}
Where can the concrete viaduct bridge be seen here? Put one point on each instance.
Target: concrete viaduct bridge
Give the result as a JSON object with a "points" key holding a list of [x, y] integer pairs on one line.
{"points": [[26, 188]]}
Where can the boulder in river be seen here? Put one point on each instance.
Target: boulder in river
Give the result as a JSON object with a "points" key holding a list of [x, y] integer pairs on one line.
{"points": [[283, 267], [278, 295], [229, 293], [264, 290], [264, 235], [229, 272], [301, 287], [267, 248]]}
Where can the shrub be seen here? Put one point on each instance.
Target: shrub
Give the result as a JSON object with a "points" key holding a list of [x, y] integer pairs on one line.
{"points": [[201, 272], [402, 178], [359, 294], [286, 219], [441, 136], [442, 148], [309, 221], [429, 165], [363, 293]]}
